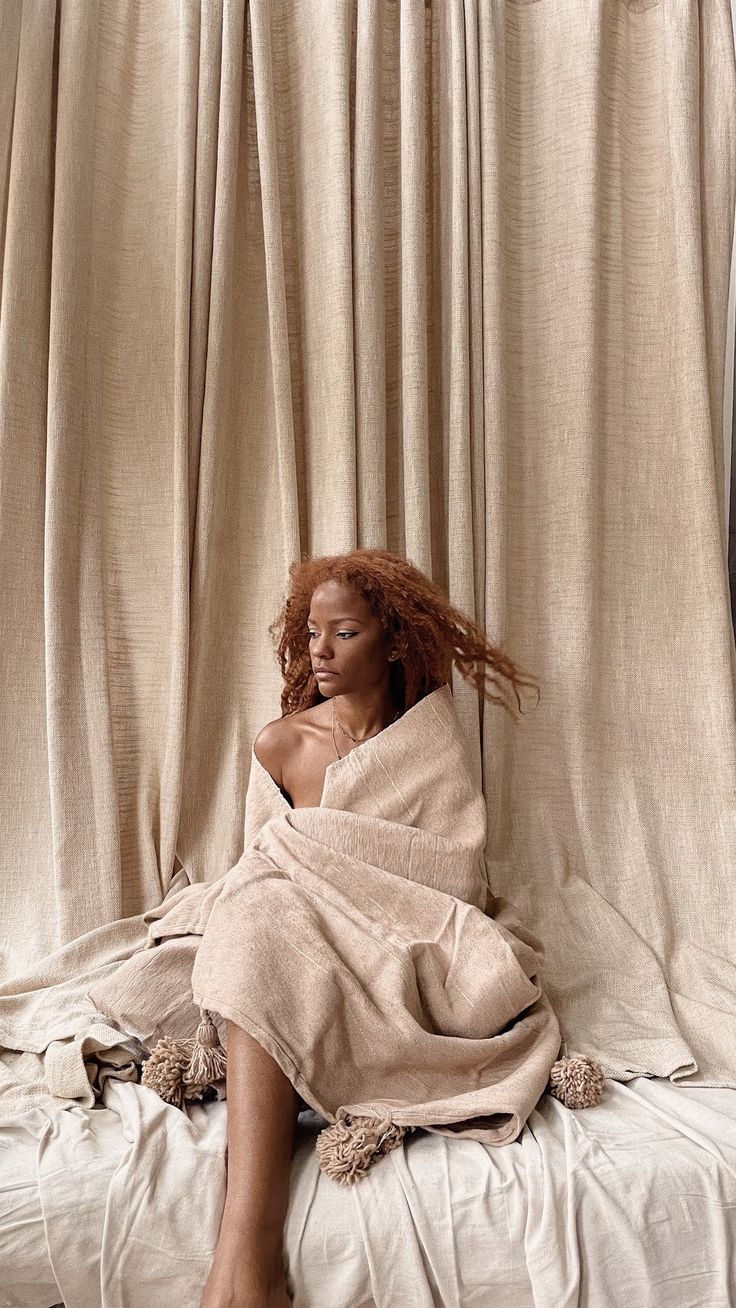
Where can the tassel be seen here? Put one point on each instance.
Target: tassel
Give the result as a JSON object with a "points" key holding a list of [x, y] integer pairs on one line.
{"points": [[164, 1072], [208, 1062], [181, 1070], [577, 1081], [346, 1149]]}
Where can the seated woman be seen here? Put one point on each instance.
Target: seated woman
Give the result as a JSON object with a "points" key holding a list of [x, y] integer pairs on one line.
{"points": [[362, 639]]}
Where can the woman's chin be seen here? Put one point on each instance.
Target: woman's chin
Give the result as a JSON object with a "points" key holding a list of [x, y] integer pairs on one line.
{"points": [[327, 685]]}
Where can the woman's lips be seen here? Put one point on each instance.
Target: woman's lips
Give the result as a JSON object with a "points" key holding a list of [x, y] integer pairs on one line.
{"points": [[322, 672]]}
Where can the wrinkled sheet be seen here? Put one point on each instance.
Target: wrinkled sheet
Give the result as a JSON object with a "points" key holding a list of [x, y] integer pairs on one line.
{"points": [[627, 1204]]}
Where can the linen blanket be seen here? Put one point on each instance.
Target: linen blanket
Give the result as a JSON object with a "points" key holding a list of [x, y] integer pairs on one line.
{"points": [[359, 943]]}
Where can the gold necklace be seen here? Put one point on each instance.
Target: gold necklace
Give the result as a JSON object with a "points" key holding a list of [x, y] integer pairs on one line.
{"points": [[336, 722]]}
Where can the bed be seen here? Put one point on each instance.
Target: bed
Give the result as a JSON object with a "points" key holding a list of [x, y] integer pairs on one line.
{"points": [[630, 1203]]}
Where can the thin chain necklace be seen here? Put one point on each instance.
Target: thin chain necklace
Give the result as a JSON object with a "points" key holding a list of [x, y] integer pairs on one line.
{"points": [[337, 723]]}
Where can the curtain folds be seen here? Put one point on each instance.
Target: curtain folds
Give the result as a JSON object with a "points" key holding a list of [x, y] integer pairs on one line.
{"points": [[286, 278]]}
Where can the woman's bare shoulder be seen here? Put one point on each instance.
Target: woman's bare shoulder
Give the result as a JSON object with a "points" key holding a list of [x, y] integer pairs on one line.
{"points": [[269, 746], [277, 740]]}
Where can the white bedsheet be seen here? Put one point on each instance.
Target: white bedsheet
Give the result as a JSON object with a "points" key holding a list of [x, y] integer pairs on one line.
{"points": [[631, 1204]]}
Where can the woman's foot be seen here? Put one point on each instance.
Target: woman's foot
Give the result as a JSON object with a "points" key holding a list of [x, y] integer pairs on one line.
{"points": [[237, 1280]]}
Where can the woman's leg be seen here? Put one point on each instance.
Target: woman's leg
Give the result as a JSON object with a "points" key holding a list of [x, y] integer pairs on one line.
{"points": [[248, 1270]]}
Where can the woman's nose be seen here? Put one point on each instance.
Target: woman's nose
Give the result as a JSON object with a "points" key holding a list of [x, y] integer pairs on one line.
{"points": [[321, 647]]}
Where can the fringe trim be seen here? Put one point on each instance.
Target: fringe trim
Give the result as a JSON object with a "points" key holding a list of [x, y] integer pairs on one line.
{"points": [[181, 1071]]}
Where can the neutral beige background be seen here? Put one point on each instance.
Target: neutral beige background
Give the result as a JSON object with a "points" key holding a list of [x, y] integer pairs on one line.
{"points": [[452, 279], [729, 406], [729, 399]]}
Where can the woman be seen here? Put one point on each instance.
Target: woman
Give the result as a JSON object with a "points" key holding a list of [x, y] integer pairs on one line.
{"points": [[361, 639]]}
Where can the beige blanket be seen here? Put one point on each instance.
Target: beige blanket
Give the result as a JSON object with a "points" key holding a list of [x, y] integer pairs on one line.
{"points": [[358, 942]]}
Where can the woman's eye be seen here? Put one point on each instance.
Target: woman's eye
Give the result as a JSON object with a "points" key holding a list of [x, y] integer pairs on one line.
{"points": [[347, 633]]}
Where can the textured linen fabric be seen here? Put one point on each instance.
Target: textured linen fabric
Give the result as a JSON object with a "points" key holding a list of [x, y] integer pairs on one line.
{"points": [[357, 942], [448, 278], [54, 1045], [729, 408]]}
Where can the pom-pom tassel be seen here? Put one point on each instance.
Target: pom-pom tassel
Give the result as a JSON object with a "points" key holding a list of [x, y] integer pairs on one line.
{"points": [[164, 1071], [346, 1149], [577, 1081], [181, 1070], [208, 1062]]}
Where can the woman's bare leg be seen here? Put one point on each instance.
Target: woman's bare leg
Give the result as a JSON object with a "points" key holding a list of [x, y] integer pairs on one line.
{"points": [[248, 1270]]}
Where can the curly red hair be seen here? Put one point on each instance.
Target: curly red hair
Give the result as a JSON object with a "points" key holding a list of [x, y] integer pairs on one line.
{"points": [[429, 633]]}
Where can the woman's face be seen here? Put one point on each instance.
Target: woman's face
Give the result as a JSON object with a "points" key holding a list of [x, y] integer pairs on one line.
{"points": [[347, 644]]}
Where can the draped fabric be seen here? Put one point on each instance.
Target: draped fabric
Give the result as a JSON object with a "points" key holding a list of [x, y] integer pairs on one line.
{"points": [[729, 410], [286, 278], [352, 932]]}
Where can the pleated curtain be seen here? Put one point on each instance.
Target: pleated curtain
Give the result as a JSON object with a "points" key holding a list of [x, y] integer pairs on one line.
{"points": [[287, 277]]}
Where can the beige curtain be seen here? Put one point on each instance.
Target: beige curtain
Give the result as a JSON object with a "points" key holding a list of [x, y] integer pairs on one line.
{"points": [[729, 410], [451, 278]]}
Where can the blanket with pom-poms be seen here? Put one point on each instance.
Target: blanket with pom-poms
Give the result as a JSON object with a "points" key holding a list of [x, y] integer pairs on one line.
{"points": [[359, 942]]}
